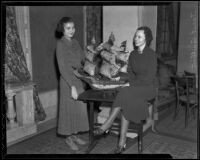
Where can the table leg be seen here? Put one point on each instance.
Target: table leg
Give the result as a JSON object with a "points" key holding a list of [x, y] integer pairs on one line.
{"points": [[140, 138], [91, 122], [92, 141], [91, 126]]}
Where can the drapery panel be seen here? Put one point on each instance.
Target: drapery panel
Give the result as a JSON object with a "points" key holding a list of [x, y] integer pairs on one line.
{"points": [[14, 57], [15, 60], [94, 23], [165, 39]]}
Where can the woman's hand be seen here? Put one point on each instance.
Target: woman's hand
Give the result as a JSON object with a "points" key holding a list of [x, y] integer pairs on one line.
{"points": [[74, 92]]}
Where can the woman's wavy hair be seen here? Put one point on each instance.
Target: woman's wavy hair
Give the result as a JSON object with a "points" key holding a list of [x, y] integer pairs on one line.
{"points": [[60, 26], [148, 35]]}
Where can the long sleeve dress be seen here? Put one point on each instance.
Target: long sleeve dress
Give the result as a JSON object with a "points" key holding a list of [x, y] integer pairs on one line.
{"points": [[72, 115], [142, 69]]}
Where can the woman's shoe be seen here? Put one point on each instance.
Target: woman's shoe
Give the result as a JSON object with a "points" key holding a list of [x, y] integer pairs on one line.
{"points": [[100, 132], [120, 149], [71, 144], [78, 140]]}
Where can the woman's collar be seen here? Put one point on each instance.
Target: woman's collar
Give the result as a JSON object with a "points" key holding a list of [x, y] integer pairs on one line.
{"points": [[67, 40], [142, 51]]}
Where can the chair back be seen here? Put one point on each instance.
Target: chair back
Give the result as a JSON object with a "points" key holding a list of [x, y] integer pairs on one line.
{"points": [[180, 85], [191, 80], [185, 85]]}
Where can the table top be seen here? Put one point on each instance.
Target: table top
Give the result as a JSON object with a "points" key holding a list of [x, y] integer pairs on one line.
{"points": [[98, 95]]}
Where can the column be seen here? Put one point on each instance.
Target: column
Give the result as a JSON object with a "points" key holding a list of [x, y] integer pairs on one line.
{"points": [[11, 113]]}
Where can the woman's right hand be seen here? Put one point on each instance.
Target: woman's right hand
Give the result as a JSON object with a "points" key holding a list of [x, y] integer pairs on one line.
{"points": [[74, 92]]}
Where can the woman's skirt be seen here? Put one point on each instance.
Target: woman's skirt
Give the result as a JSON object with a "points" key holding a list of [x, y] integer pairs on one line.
{"points": [[133, 101]]}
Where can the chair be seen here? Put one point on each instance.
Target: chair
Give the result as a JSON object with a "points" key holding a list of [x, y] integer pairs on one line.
{"points": [[191, 80], [192, 86], [185, 95], [141, 127]]}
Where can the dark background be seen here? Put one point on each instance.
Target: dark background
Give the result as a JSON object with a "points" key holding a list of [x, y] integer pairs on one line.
{"points": [[43, 22]]}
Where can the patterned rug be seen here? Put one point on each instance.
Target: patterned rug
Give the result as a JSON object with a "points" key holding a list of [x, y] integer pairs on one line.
{"points": [[159, 144], [108, 144], [49, 143], [45, 143], [169, 141]]}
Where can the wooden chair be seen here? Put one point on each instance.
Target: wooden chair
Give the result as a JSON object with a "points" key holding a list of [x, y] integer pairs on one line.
{"points": [[191, 80], [140, 128], [192, 86], [184, 96]]}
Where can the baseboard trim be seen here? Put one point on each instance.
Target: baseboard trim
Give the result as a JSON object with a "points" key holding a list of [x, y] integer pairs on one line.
{"points": [[49, 124]]}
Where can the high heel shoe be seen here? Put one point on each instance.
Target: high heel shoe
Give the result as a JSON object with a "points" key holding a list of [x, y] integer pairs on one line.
{"points": [[120, 149], [100, 132]]}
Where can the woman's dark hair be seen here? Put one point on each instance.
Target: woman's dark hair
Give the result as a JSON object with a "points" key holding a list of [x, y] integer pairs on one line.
{"points": [[60, 26], [148, 35]]}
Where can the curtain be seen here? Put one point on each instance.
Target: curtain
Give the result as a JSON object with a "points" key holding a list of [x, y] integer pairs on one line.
{"points": [[94, 23], [15, 61], [166, 36]]}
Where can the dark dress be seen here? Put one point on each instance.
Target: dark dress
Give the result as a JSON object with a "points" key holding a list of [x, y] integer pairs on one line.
{"points": [[142, 69], [72, 114]]}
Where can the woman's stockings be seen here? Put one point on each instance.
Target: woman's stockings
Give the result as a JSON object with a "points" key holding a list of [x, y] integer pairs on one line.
{"points": [[123, 131], [111, 118], [124, 125]]}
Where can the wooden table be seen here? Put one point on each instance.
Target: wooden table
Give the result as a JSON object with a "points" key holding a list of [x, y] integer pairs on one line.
{"points": [[93, 98]]}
